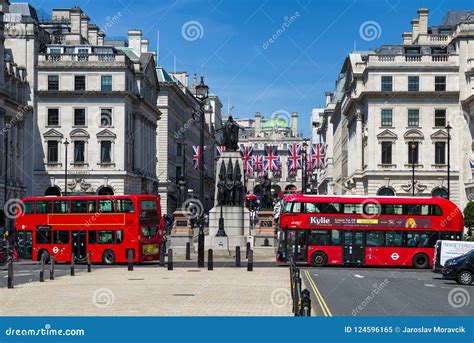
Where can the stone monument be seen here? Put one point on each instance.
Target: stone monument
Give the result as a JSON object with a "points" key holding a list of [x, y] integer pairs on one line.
{"points": [[265, 235], [229, 218], [182, 231]]}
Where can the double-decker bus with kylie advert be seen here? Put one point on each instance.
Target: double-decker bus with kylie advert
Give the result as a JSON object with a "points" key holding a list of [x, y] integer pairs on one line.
{"points": [[107, 227], [368, 231]]}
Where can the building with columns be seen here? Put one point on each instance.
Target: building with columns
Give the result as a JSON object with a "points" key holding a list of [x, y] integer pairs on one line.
{"points": [[179, 129], [99, 102], [16, 117], [390, 111], [280, 130]]}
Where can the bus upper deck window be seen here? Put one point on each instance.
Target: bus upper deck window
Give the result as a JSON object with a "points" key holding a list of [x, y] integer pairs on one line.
{"points": [[106, 206], [44, 206], [28, 207], [296, 207], [124, 206], [78, 206], [310, 207]]}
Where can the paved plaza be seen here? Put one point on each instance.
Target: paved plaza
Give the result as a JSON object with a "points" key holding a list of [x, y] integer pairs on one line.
{"points": [[153, 291]]}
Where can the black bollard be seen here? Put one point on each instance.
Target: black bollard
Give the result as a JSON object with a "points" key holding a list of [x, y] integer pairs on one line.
{"points": [[305, 303], [130, 260], [42, 269], [162, 255], [250, 261], [297, 296], [247, 251], [237, 256], [10, 272], [89, 263], [188, 251], [73, 264], [170, 259], [51, 267], [210, 260]]}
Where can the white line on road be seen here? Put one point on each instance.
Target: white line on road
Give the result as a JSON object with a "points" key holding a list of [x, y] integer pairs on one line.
{"points": [[24, 274], [359, 276], [429, 285]]}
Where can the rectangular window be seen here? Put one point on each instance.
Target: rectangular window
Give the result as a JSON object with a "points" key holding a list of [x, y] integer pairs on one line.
{"points": [[440, 118], [335, 237], [79, 82], [318, 237], [79, 206], [79, 117], [53, 147], [92, 208], [413, 117], [310, 207], [106, 206], [413, 153], [416, 210], [118, 237], [440, 83], [386, 152], [106, 83], [386, 84], [43, 236], [124, 206], [412, 239], [105, 237], [53, 116], [61, 237], [105, 151], [179, 170], [28, 207], [148, 209], [92, 237], [79, 149], [106, 117], [353, 208], [413, 83], [386, 117], [61, 206], [375, 238], [179, 148], [392, 209], [440, 152], [44, 206], [149, 231], [53, 82], [393, 239]]}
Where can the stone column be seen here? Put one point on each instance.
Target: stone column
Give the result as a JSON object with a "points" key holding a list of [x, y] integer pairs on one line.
{"points": [[359, 142]]}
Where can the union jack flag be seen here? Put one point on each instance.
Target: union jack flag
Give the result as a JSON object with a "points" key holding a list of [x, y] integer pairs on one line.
{"points": [[257, 163], [271, 158], [219, 151], [197, 156], [294, 156], [246, 153], [317, 158], [471, 162]]}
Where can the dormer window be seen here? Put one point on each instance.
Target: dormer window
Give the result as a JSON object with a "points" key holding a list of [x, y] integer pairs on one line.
{"points": [[412, 51]]}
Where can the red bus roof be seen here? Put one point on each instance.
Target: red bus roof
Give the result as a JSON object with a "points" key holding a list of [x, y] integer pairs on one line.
{"points": [[360, 199], [76, 197]]}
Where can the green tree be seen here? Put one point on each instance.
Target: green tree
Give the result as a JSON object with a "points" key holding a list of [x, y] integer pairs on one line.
{"points": [[469, 217]]}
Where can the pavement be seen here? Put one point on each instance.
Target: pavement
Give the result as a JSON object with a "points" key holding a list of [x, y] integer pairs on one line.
{"points": [[385, 292], [148, 290]]}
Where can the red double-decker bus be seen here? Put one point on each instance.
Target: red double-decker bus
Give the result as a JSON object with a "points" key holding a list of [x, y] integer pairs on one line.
{"points": [[369, 231], [106, 226]]}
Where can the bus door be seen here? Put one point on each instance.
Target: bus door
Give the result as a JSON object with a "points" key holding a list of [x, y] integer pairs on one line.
{"points": [[24, 244], [297, 246], [79, 248], [353, 247]]}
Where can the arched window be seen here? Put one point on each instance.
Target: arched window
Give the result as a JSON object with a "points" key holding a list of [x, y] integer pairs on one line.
{"points": [[386, 191], [440, 192], [105, 190], [54, 190]]}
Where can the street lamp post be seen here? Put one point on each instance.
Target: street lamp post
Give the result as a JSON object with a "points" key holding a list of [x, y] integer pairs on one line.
{"points": [[202, 93], [66, 144], [413, 146], [448, 129], [304, 167]]}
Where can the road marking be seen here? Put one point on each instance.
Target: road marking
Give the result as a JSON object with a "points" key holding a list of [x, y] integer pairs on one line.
{"points": [[19, 274], [359, 276], [319, 297], [429, 285]]}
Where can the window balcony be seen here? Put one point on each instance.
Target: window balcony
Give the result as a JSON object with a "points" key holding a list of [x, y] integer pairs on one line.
{"points": [[380, 60]]}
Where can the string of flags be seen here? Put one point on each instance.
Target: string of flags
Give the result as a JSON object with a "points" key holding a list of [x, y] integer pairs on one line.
{"points": [[270, 160]]}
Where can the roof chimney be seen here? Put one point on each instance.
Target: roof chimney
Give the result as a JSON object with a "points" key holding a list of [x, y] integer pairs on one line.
{"points": [[406, 38], [135, 40], [258, 123], [328, 97], [294, 124], [415, 23], [144, 45]]}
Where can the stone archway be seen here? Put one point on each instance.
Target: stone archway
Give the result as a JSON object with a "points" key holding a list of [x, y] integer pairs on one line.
{"points": [[53, 190], [105, 190], [386, 191]]}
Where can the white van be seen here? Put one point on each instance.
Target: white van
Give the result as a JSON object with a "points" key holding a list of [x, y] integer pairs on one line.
{"points": [[444, 250]]}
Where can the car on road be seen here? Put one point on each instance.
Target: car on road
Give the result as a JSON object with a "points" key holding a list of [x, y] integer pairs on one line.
{"points": [[445, 250], [460, 268]]}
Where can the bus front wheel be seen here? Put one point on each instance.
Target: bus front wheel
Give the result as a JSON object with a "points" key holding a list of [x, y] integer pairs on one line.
{"points": [[319, 259], [421, 261], [44, 254], [108, 257]]}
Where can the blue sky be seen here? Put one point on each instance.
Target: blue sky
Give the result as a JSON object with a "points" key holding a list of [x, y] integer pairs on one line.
{"points": [[229, 40]]}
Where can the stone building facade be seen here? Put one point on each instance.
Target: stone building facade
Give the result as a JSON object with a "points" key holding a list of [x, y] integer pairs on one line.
{"points": [[390, 112]]}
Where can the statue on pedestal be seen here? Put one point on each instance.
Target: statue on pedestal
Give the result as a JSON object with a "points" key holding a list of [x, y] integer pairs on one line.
{"points": [[230, 184], [230, 137], [238, 186], [266, 185], [181, 184], [221, 189]]}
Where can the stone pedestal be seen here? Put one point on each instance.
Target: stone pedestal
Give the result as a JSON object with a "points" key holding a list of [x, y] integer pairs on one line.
{"points": [[265, 230], [182, 231], [236, 218]]}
